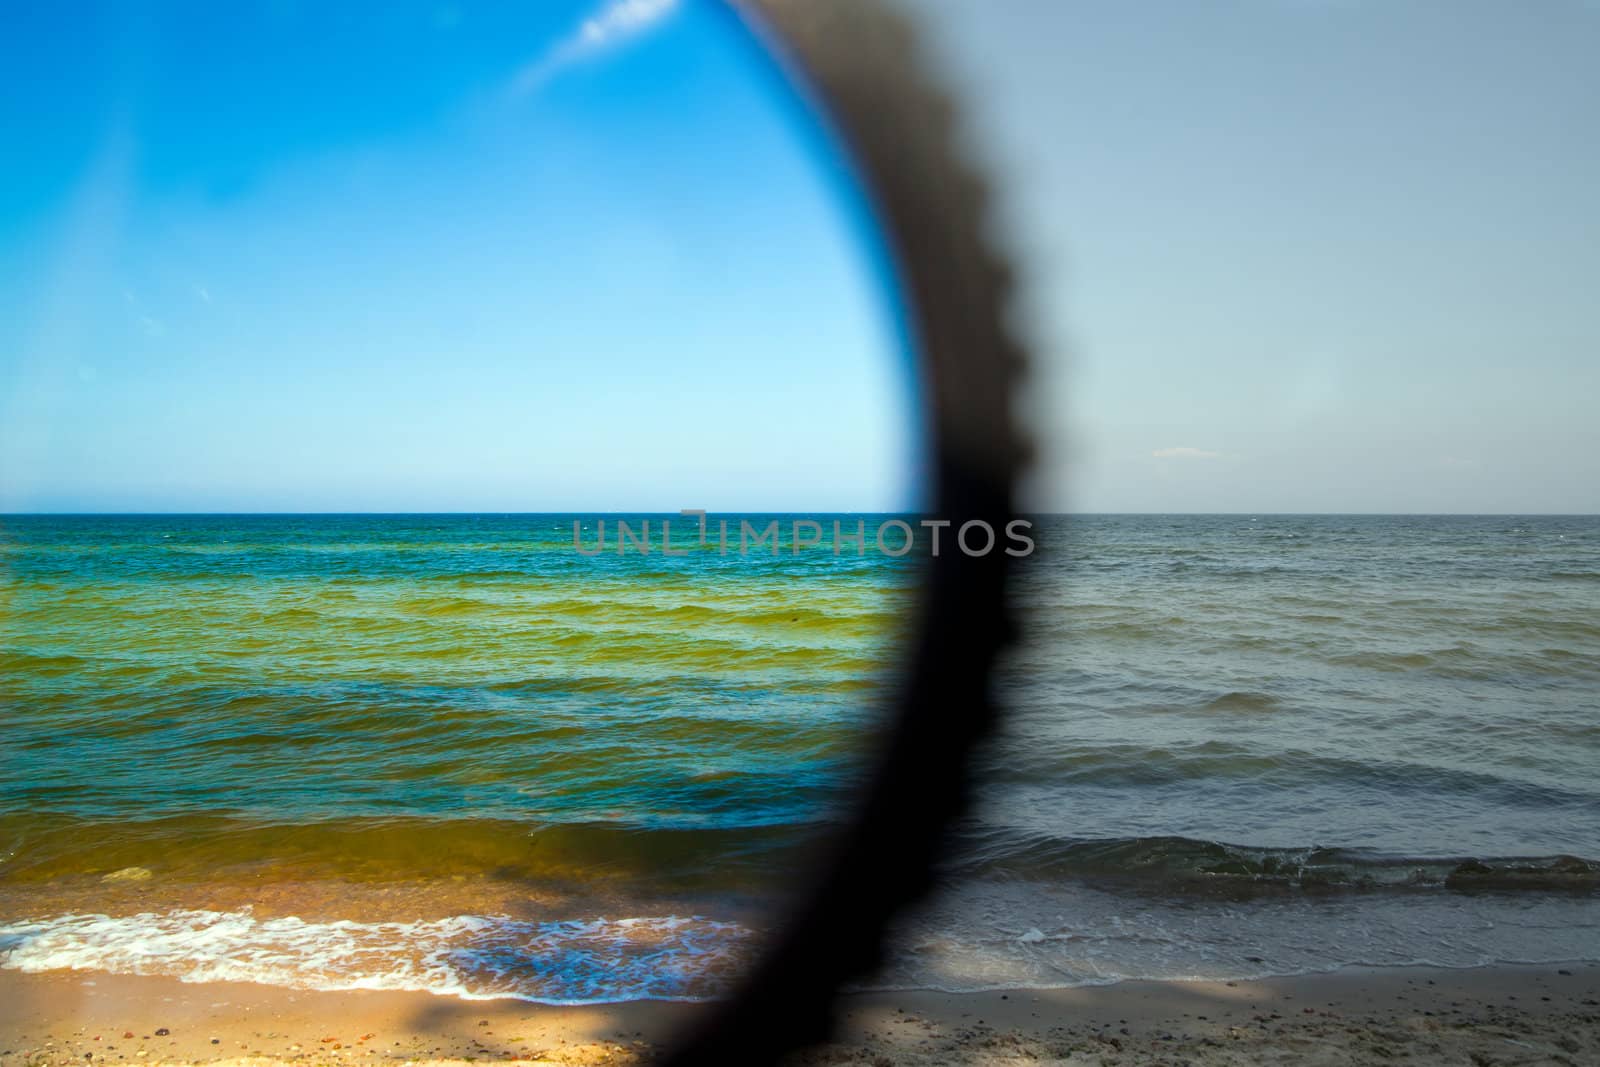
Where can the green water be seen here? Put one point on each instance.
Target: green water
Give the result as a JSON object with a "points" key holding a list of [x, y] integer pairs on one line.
{"points": [[395, 697]]}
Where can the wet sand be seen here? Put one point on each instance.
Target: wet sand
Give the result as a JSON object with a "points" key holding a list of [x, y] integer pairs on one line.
{"points": [[1546, 1014]]}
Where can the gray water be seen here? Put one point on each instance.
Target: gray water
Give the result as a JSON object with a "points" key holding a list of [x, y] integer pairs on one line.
{"points": [[1249, 745]]}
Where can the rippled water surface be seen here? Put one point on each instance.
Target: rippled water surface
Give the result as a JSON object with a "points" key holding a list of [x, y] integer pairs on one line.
{"points": [[451, 753]]}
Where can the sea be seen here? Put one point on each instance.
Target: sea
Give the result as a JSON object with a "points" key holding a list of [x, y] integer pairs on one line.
{"points": [[453, 753]]}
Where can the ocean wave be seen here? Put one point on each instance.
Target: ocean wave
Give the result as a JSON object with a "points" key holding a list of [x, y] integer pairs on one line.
{"points": [[568, 961], [1031, 757], [1243, 700], [1005, 932], [41, 664], [1184, 865]]}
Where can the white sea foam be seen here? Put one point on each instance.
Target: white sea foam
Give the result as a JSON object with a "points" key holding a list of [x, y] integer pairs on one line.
{"points": [[571, 961], [982, 934]]}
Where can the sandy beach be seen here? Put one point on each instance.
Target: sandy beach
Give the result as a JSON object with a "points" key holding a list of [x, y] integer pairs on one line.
{"points": [[1497, 1015]]}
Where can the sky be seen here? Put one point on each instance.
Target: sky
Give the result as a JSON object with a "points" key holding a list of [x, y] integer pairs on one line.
{"points": [[427, 257], [1299, 255], [1280, 255]]}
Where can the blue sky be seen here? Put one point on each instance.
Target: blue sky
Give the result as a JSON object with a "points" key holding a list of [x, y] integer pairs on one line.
{"points": [[424, 257], [1284, 255]]}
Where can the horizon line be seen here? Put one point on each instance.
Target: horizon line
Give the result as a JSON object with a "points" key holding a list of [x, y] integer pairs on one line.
{"points": [[813, 511]]}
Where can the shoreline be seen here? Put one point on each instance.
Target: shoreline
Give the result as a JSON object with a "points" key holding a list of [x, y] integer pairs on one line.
{"points": [[1545, 1013]]}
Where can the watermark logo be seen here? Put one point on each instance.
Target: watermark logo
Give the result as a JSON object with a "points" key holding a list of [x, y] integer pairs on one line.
{"points": [[741, 537]]}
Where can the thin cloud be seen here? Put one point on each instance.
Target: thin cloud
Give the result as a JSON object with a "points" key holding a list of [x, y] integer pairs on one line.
{"points": [[613, 23], [1185, 452], [148, 324]]}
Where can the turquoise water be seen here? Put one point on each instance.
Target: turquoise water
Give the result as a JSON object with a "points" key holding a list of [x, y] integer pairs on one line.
{"points": [[451, 753]]}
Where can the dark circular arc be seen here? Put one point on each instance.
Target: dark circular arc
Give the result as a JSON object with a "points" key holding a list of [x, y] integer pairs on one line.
{"points": [[860, 61]]}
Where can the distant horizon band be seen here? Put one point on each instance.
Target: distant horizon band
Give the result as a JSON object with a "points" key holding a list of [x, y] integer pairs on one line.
{"points": [[812, 511]]}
